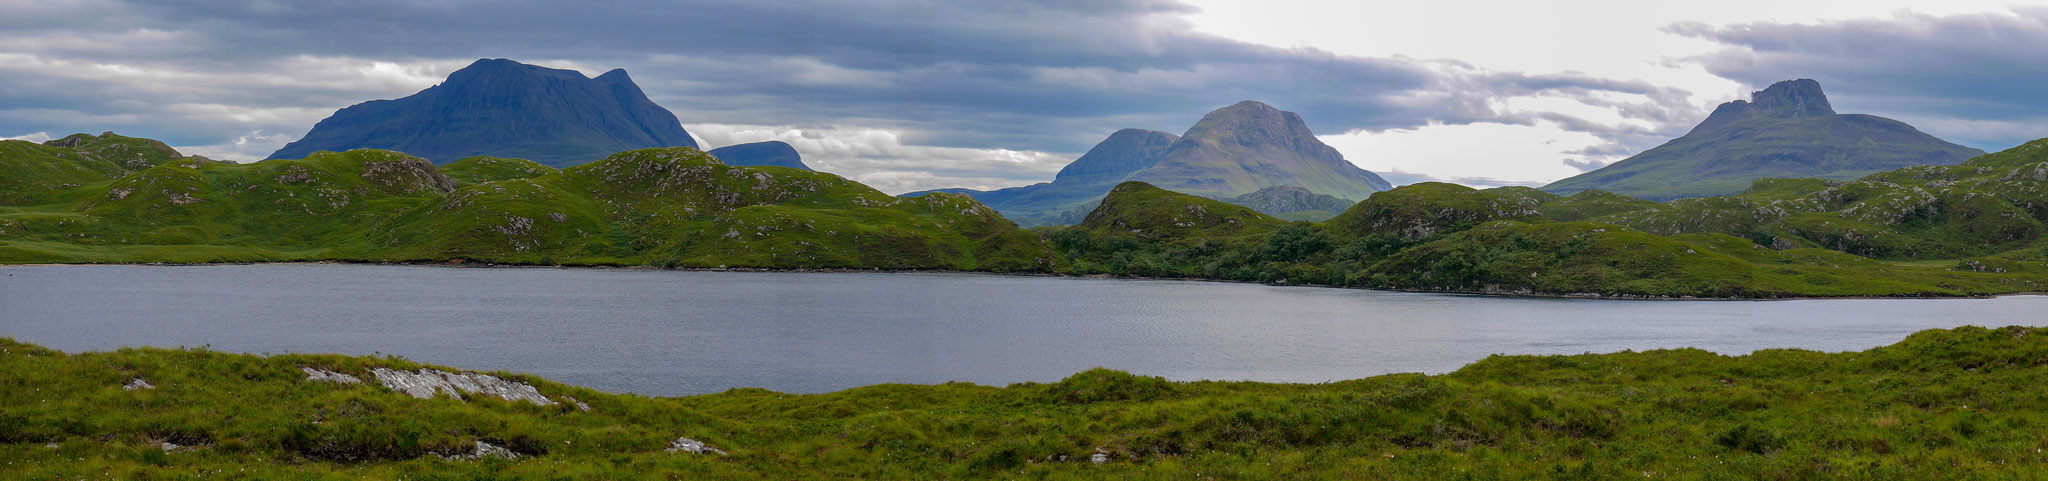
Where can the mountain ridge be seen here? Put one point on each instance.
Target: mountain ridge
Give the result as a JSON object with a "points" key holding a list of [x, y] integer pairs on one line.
{"points": [[1786, 130], [503, 108], [1232, 151]]}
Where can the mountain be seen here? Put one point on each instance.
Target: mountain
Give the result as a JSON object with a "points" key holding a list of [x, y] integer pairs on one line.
{"points": [[502, 108], [1292, 202], [1786, 130], [1249, 146], [772, 153], [1232, 151], [1078, 186]]}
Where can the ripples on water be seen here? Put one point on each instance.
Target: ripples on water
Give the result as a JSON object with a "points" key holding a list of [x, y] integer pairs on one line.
{"points": [[677, 332]]}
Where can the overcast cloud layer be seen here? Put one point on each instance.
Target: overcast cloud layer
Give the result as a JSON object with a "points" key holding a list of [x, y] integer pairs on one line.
{"points": [[913, 95]]}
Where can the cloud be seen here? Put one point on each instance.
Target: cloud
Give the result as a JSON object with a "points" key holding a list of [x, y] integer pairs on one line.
{"points": [[1022, 76], [881, 159], [1969, 77], [38, 137], [1508, 154], [250, 146]]}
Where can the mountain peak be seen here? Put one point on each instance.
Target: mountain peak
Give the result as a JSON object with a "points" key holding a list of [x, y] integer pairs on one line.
{"points": [[1249, 145], [1124, 152], [503, 108], [1791, 99], [1785, 130]]}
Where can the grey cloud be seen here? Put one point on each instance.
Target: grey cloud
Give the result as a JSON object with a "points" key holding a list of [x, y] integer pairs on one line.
{"points": [[1050, 76]]}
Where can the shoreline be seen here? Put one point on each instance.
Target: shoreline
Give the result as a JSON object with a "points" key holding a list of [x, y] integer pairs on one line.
{"points": [[1482, 293]]}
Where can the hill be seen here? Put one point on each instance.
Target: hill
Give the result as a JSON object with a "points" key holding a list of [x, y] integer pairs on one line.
{"points": [[1236, 150], [1292, 203], [40, 172], [1787, 130], [502, 108], [773, 153], [668, 207], [1971, 229]]}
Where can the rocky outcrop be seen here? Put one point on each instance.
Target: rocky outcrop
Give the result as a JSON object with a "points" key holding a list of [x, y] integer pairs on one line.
{"points": [[426, 383], [323, 375], [137, 384], [692, 446], [405, 174], [484, 450]]}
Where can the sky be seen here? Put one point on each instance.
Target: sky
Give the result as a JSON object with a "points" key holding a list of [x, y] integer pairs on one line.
{"points": [[911, 95]]}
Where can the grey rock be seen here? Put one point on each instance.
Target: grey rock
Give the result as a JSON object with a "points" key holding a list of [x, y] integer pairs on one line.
{"points": [[425, 383], [692, 446], [137, 384], [324, 375], [484, 450]]}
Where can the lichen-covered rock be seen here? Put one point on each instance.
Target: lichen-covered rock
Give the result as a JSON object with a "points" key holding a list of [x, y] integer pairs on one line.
{"points": [[692, 446], [425, 383], [137, 384], [484, 450], [323, 375]]}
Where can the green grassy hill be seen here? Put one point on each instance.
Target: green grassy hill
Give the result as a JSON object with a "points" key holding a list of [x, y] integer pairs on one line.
{"points": [[1970, 229], [1976, 228], [1938, 405], [667, 207]]}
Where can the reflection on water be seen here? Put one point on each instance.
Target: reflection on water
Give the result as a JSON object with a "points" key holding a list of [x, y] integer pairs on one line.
{"points": [[672, 333]]}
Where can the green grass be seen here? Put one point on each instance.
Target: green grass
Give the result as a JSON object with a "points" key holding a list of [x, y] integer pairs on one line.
{"points": [[1952, 404], [668, 207]]}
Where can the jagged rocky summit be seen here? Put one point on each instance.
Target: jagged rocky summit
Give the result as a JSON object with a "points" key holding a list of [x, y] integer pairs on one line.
{"points": [[502, 108]]}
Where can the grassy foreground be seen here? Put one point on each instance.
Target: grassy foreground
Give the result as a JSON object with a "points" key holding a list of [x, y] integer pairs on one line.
{"points": [[1954, 404]]}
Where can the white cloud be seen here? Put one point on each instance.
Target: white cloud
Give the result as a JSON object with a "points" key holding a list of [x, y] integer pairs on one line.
{"points": [[249, 147], [1486, 154], [881, 159], [38, 137]]}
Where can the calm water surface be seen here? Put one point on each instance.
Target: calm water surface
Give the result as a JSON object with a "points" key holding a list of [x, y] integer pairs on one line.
{"points": [[674, 333]]}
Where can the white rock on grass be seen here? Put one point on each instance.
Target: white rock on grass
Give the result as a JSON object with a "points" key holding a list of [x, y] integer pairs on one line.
{"points": [[485, 450], [324, 375], [137, 383], [692, 446], [425, 383]]}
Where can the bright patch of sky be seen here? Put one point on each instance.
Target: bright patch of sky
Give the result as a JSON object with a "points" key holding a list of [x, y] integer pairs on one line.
{"points": [[1618, 39]]}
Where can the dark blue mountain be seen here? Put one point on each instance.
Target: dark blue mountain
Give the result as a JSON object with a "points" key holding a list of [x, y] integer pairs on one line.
{"points": [[773, 152], [502, 108]]}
